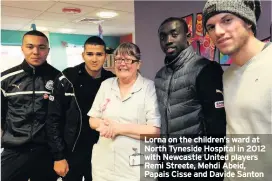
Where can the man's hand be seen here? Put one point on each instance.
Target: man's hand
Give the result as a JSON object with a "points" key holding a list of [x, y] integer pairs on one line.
{"points": [[61, 167]]}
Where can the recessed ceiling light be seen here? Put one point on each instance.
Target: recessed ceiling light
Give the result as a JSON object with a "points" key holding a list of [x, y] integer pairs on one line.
{"points": [[90, 20], [64, 30], [106, 14]]}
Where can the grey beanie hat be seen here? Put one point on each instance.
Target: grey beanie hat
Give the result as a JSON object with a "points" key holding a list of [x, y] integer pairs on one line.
{"points": [[236, 7]]}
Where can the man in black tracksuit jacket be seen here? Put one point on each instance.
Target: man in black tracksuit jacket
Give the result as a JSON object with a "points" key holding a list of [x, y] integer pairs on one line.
{"points": [[25, 91], [70, 136], [190, 96]]}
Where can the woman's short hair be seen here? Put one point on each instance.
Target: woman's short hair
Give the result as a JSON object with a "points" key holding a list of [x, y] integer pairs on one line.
{"points": [[128, 48]]}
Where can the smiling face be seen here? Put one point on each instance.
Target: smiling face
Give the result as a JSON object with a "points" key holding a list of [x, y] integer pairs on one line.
{"points": [[94, 57], [35, 49], [173, 38], [228, 32], [126, 71]]}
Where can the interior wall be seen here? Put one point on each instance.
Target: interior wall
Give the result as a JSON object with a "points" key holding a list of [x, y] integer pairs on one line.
{"points": [[126, 38]]}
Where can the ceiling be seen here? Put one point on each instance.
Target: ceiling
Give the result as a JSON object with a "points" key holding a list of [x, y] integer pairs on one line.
{"points": [[19, 15]]}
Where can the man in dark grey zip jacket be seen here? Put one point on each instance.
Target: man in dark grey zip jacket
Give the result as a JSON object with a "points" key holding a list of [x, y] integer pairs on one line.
{"points": [[70, 136], [189, 91], [25, 90]]}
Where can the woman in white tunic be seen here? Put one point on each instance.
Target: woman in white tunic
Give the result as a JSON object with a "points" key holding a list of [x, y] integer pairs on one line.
{"points": [[125, 107]]}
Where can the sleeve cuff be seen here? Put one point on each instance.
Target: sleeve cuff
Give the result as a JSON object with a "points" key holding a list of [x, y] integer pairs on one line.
{"points": [[58, 156]]}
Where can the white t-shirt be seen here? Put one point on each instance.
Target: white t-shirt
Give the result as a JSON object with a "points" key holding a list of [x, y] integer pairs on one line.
{"points": [[248, 95], [248, 105]]}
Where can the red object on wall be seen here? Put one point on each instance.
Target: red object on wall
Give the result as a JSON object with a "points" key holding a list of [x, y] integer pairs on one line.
{"points": [[71, 10], [126, 38]]}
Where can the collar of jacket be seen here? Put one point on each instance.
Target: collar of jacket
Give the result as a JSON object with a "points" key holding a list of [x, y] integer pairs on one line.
{"points": [[38, 70], [182, 58]]}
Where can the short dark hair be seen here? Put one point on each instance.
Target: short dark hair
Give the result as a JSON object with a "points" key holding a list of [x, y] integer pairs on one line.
{"points": [[95, 40], [182, 21], [36, 33]]}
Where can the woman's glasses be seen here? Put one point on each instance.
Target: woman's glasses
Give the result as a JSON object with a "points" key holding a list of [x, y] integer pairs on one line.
{"points": [[126, 61]]}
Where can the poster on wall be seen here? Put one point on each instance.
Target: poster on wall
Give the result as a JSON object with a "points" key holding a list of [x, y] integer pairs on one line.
{"points": [[224, 59], [207, 48], [203, 45], [196, 46], [189, 21], [199, 25]]}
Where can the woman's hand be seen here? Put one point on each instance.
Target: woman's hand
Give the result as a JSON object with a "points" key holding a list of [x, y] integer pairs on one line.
{"points": [[109, 128], [103, 128], [115, 129]]}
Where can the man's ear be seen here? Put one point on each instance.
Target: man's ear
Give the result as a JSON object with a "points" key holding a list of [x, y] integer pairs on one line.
{"points": [[249, 26], [106, 56]]}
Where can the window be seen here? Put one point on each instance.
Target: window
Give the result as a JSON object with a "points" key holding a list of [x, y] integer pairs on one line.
{"points": [[74, 55]]}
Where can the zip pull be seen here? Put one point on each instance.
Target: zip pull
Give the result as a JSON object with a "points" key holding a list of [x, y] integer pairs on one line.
{"points": [[34, 71]]}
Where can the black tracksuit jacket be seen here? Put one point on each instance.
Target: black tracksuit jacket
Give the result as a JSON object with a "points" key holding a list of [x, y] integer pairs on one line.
{"points": [[67, 124], [25, 92]]}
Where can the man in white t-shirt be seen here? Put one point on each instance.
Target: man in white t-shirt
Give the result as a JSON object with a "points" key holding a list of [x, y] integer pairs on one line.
{"points": [[247, 83]]}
